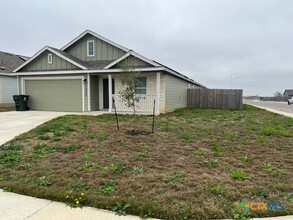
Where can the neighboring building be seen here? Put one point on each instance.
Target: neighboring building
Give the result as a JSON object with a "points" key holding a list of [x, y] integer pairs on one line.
{"points": [[85, 75], [288, 93], [8, 85]]}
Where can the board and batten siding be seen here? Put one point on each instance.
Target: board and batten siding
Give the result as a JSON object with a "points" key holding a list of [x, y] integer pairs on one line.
{"points": [[94, 80], [41, 64], [175, 93], [132, 61], [8, 88], [103, 51]]}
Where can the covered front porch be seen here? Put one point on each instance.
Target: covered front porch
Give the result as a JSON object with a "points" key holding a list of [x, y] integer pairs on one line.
{"points": [[104, 93]]}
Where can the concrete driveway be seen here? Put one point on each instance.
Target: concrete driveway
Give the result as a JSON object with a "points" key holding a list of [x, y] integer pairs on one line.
{"points": [[15, 123]]}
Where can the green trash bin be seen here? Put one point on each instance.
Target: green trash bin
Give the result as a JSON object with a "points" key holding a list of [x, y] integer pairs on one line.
{"points": [[21, 102]]}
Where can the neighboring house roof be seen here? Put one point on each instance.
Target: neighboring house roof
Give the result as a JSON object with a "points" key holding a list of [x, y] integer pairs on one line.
{"points": [[104, 65], [9, 62], [289, 92]]}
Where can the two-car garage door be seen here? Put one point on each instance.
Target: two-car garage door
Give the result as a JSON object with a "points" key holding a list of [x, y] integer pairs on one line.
{"points": [[55, 94]]}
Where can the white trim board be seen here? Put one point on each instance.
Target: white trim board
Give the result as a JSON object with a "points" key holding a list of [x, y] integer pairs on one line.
{"points": [[132, 53], [67, 72], [55, 78], [52, 51], [97, 36]]}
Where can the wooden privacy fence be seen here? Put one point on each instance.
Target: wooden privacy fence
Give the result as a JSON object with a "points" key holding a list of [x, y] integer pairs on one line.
{"points": [[215, 98]]}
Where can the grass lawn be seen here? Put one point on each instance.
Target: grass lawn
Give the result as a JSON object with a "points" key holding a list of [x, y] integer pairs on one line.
{"points": [[198, 164]]}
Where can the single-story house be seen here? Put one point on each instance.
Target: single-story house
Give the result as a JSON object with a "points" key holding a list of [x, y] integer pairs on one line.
{"points": [[85, 75], [8, 83], [288, 93]]}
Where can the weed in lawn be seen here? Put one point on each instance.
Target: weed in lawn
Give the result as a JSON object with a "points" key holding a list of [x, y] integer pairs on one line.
{"points": [[43, 181], [214, 188], [144, 154], [286, 133], [58, 133], [56, 139], [237, 148], [44, 137], [12, 147], [268, 131], [7, 188], [268, 166], [138, 170], [80, 186], [89, 150], [174, 177], [244, 158], [230, 135], [25, 166], [288, 196], [116, 165], [69, 129], [121, 208], [140, 144], [9, 158], [43, 149], [186, 138], [69, 148], [86, 157], [75, 200], [259, 193], [99, 136], [217, 151], [261, 140], [212, 162], [42, 129], [238, 174], [241, 215], [107, 186], [199, 153], [88, 165]]}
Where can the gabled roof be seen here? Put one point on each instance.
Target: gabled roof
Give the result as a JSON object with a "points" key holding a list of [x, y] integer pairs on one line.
{"points": [[58, 53], [289, 92], [132, 53], [97, 36], [9, 61]]}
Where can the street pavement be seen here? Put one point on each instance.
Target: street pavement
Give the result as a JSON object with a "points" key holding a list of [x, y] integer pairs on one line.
{"points": [[281, 108]]}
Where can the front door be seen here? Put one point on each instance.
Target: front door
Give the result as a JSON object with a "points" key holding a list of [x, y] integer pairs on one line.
{"points": [[106, 92]]}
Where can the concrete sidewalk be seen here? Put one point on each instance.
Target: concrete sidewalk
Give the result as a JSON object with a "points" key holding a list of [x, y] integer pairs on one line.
{"points": [[19, 207]]}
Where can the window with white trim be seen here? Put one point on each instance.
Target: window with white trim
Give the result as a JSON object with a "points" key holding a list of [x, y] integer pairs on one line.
{"points": [[50, 58], [141, 86], [90, 48]]}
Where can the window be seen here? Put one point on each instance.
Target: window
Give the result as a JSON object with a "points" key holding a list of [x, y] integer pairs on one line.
{"points": [[141, 86], [90, 48], [50, 59]]}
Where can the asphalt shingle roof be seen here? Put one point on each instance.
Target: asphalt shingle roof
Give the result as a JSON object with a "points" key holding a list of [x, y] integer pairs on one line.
{"points": [[9, 61]]}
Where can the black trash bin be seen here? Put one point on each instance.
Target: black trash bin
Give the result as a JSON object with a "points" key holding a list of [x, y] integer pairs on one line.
{"points": [[21, 102]]}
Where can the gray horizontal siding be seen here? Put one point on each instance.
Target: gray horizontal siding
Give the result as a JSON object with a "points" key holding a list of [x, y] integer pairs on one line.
{"points": [[8, 88], [176, 93]]}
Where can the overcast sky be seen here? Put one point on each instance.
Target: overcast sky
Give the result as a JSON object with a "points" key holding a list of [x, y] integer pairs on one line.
{"points": [[207, 40]]}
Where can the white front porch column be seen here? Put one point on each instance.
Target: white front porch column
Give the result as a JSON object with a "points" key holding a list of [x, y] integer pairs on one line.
{"points": [[110, 91], [158, 93], [88, 93]]}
